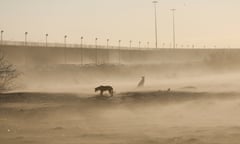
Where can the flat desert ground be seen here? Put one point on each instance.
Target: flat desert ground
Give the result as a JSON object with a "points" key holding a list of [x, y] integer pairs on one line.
{"points": [[153, 117]]}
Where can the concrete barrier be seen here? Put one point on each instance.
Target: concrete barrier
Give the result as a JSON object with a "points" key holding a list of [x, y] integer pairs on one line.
{"points": [[42, 55]]}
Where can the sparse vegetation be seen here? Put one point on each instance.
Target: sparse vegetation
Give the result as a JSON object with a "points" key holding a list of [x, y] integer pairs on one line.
{"points": [[8, 74]]}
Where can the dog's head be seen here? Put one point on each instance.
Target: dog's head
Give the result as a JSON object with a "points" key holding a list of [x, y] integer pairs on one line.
{"points": [[97, 89]]}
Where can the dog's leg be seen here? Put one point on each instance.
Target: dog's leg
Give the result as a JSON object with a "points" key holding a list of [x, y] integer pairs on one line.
{"points": [[111, 92]]}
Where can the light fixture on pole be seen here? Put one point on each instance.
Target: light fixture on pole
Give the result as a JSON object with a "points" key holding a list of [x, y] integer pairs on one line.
{"points": [[155, 13]]}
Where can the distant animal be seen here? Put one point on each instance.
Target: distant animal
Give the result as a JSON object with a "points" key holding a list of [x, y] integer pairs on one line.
{"points": [[102, 89], [141, 83]]}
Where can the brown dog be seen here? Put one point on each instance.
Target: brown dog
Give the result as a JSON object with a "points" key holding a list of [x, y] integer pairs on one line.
{"points": [[104, 88]]}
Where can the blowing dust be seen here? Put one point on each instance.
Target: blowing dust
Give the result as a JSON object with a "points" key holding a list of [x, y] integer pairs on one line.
{"points": [[191, 105]]}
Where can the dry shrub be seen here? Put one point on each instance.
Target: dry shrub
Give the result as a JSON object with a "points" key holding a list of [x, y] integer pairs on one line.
{"points": [[8, 74]]}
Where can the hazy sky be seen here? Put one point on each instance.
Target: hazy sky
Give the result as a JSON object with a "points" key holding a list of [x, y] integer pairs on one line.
{"points": [[199, 22]]}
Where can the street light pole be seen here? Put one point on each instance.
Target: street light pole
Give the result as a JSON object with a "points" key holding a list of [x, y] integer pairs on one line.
{"points": [[147, 44], [46, 40], [107, 43], [139, 44], [26, 33], [174, 40], [2, 36], [65, 41], [108, 52], [130, 44], [119, 54], [65, 49], [155, 13], [96, 50], [82, 50], [81, 41], [25, 43]]}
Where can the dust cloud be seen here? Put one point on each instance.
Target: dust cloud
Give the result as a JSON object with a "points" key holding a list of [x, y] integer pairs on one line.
{"points": [[57, 104]]}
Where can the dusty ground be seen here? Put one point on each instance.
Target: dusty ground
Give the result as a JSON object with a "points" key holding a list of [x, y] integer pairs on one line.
{"points": [[154, 117], [58, 105]]}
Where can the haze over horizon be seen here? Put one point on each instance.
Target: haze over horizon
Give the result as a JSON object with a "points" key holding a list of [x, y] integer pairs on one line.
{"points": [[198, 22]]}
